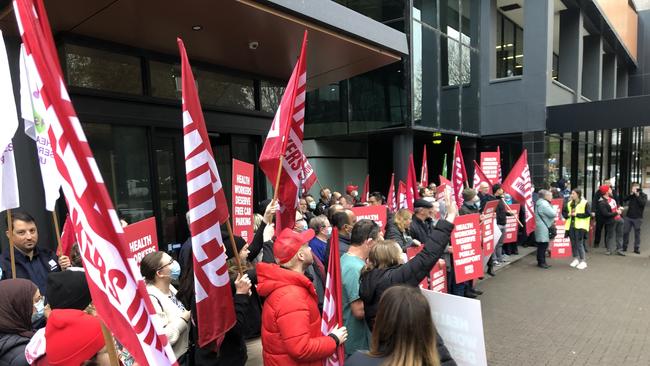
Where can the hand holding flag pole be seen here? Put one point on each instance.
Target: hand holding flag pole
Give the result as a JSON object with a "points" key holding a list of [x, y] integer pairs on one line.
{"points": [[511, 213]]}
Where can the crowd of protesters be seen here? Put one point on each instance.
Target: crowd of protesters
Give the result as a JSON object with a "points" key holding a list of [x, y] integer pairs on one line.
{"points": [[278, 281]]}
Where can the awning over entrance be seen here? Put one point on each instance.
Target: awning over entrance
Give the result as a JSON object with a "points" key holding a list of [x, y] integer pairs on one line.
{"points": [[259, 37], [599, 115]]}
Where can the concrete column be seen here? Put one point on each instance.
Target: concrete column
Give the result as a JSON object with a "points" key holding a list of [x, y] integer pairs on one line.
{"points": [[402, 148], [609, 76], [592, 67], [622, 79], [570, 67]]}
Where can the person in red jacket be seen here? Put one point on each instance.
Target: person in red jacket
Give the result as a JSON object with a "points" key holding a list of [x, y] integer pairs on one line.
{"points": [[291, 323]]}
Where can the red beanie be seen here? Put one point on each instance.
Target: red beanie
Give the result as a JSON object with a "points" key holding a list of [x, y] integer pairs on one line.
{"points": [[72, 337], [604, 189]]}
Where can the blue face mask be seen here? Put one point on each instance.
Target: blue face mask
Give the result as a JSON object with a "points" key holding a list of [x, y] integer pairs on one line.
{"points": [[312, 205], [175, 271], [40, 310]]}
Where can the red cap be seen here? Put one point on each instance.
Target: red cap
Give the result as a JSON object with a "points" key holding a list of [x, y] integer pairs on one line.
{"points": [[289, 242], [72, 337], [604, 189], [351, 188]]}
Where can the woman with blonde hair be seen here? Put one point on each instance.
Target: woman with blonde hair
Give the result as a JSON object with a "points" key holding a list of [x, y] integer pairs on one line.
{"points": [[397, 229], [403, 333]]}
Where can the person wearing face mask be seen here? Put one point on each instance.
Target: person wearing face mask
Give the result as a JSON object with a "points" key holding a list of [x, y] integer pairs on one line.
{"points": [[21, 304], [324, 202], [323, 229], [311, 203], [353, 191], [158, 270]]}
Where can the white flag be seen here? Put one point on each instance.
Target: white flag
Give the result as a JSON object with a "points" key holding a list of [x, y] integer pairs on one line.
{"points": [[9, 117], [33, 112]]}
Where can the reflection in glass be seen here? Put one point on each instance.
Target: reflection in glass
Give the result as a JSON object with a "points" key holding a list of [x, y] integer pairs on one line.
{"points": [[553, 158], [566, 157], [165, 158], [225, 90], [164, 78], [325, 115], [102, 70], [270, 96]]}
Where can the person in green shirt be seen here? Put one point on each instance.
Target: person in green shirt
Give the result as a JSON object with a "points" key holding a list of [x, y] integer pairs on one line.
{"points": [[363, 235]]}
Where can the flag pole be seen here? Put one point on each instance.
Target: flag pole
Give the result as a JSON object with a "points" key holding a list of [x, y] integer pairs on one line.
{"points": [[277, 178], [512, 213], [110, 346], [55, 219], [234, 248], [10, 228]]}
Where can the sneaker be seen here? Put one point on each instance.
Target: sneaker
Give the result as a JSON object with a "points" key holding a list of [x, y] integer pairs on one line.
{"points": [[637, 251], [621, 254], [574, 263], [608, 253], [582, 265]]}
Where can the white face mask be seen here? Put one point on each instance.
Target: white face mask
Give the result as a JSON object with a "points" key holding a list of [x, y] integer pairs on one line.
{"points": [[40, 310], [328, 231]]}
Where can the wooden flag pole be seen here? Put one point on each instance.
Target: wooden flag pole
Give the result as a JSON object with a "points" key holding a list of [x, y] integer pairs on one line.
{"points": [[512, 213], [277, 178], [10, 228], [55, 219], [234, 248], [110, 346]]}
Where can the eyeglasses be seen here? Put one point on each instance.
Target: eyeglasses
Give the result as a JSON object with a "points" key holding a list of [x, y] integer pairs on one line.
{"points": [[165, 265]]}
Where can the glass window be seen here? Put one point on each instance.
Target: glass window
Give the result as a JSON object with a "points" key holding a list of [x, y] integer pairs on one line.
{"points": [[225, 90], [122, 155], [598, 158], [566, 157], [459, 62], [172, 216], [426, 79], [97, 69], [553, 158], [509, 47], [389, 12], [324, 113], [270, 95], [589, 185], [165, 80], [426, 11], [581, 182], [466, 22], [519, 50]]}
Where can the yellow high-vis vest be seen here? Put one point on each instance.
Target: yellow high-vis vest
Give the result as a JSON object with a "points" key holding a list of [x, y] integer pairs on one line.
{"points": [[581, 223]]}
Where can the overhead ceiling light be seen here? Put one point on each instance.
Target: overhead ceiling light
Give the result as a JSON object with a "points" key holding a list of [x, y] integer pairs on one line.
{"points": [[197, 27]]}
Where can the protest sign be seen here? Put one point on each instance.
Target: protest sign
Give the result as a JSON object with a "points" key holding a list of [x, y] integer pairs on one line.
{"points": [[557, 204], [512, 227], [412, 252], [560, 246], [242, 199], [488, 225], [438, 277], [142, 238], [375, 213], [490, 165], [459, 322], [466, 245]]}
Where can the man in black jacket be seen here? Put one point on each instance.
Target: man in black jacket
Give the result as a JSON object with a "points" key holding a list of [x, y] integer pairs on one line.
{"points": [[422, 223], [636, 204], [324, 202], [599, 220], [612, 221]]}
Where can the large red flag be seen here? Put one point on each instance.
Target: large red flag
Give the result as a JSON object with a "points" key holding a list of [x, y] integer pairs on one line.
{"points": [[67, 238], [285, 140], [499, 164], [332, 305], [308, 177], [520, 187], [424, 172], [412, 192], [215, 311], [392, 203], [458, 174], [402, 196], [118, 291], [479, 177], [366, 189]]}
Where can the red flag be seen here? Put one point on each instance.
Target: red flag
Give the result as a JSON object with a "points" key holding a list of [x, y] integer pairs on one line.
{"points": [[402, 196], [479, 177], [458, 175], [67, 237], [424, 172], [332, 305], [392, 203], [308, 175], [285, 139], [366, 189], [520, 187], [116, 286], [215, 310], [412, 192], [499, 164]]}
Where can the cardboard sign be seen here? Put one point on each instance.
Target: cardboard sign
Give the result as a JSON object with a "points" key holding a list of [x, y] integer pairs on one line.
{"points": [[488, 225], [242, 199], [142, 238], [445, 184], [558, 204], [459, 322], [466, 245], [377, 214], [560, 246], [490, 165], [512, 227], [412, 252], [438, 277]]}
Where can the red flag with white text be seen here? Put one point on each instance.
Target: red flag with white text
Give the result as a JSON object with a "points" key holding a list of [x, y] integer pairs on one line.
{"points": [[479, 177], [390, 198], [499, 176], [519, 185], [285, 139], [118, 291], [412, 192], [208, 210], [332, 301], [458, 174], [402, 196], [308, 175], [424, 172]]}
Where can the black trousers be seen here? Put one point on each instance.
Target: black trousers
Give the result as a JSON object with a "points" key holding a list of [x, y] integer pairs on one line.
{"points": [[599, 231], [541, 253]]}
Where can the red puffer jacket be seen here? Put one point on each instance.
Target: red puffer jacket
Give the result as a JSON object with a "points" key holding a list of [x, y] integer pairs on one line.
{"points": [[291, 322]]}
